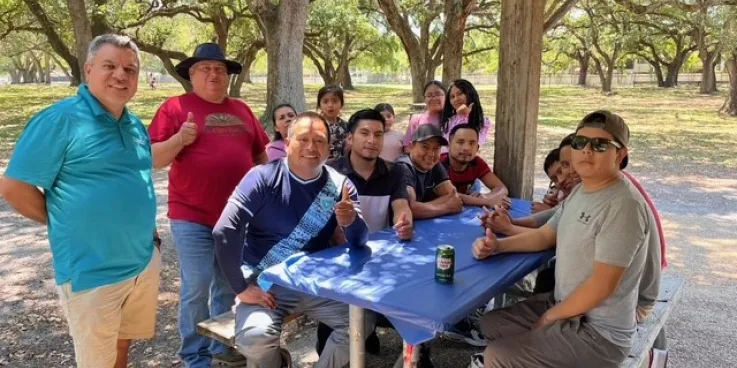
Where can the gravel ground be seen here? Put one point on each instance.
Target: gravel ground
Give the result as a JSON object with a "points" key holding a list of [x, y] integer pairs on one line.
{"points": [[697, 203]]}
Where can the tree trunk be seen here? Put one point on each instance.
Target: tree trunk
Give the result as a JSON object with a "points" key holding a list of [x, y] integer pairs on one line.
{"points": [[730, 103], [344, 71], [674, 69], [418, 50], [248, 59], [456, 15], [708, 77], [169, 66], [518, 96], [236, 83], [47, 61], [15, 76], [344, 76], [283, 26], [39, 72], [583, 68], [60, 64], [82, 30], [606, 85], [56, 42], [658, 73]]}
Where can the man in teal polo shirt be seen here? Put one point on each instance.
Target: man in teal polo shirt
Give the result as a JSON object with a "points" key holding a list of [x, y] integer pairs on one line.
{"points": [[92, 158]]}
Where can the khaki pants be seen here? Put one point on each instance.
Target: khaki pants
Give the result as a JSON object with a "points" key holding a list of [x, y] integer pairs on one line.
{"points": [[99, 317], [568, 343]]}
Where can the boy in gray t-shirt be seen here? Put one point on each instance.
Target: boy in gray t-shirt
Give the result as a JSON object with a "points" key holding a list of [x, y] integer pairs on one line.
{"points": [[610, 226], [601, 234]]}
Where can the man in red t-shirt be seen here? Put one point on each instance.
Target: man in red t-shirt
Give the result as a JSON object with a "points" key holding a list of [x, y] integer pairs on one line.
{"points": [[464, 168], [211, 142]]}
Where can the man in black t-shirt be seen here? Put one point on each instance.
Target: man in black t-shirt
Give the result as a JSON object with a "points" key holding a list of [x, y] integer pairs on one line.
{"points": [[382, 192], [431, 194]]}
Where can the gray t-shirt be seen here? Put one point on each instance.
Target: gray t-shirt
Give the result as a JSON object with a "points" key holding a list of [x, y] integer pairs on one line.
{"points": [[610, 226], [650, 283]]}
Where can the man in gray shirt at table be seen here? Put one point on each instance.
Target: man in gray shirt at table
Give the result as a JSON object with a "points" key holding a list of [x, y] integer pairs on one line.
{"points": [[600, 234]]}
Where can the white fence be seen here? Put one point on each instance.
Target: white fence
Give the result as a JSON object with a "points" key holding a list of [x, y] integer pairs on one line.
{"points": [[619, 80]]}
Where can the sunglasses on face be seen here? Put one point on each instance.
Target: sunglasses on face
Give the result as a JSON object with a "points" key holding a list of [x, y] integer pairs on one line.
{"points": [[597, 144]]}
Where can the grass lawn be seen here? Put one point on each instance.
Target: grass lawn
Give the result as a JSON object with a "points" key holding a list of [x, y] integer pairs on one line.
{"points": [[676, 126]]}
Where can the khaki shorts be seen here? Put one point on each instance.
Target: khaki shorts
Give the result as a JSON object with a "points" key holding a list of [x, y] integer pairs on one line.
{"points": [[99, 317], [568, 343]]}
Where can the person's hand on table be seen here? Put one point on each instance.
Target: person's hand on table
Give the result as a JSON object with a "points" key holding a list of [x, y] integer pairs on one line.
{"points": [[539, 207], [345, 210], [403, 228], [499, 221], [485, 247], [496, 201], [255, 295]]}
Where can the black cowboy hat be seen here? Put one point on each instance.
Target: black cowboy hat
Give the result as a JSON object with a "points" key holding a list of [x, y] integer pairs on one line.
{"points": [[207, 51]]}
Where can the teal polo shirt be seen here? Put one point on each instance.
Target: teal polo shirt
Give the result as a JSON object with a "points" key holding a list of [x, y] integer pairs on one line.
{"points": [[96, 175]]}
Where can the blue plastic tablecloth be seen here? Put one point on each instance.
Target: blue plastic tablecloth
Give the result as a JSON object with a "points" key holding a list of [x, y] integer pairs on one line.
{"points": [[397, 278]]}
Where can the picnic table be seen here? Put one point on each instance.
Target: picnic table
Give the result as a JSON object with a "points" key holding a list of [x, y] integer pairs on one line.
{"points": [[397, 278]]}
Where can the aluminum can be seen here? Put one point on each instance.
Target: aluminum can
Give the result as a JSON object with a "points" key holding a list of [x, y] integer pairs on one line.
{"points": [[445, 262]]}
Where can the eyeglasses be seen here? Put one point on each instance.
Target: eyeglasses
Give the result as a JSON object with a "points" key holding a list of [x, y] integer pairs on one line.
{"points": [[434, 95], [212, 69], [597, 144]]}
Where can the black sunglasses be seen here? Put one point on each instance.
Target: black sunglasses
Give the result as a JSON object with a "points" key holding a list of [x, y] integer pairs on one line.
{"points": [[597, 144]]}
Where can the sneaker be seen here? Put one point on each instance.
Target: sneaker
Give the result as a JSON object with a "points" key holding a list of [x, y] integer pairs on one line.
{"points": [[465, 332], [229, 358], [477, 361], [286, 358]]}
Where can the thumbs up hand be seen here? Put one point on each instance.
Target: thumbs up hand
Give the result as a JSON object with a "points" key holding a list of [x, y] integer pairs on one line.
{"points": [[464, 110], [188, 131], [403, 227], [485, 247], [345, 210]]}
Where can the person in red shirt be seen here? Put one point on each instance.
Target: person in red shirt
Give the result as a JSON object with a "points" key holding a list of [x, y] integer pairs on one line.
{"points": [[465, 167], [211, 141]]}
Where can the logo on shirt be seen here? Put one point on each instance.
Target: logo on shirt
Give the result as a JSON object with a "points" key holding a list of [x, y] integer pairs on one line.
{"points": [[224, 124], [140, 141], [584, 218]]}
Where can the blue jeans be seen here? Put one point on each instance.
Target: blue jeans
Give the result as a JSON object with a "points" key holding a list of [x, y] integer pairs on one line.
{"points": [[204, 291]]}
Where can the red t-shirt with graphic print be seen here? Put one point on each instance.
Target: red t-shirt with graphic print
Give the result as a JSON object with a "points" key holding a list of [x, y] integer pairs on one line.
{"points": [[204, 174]]}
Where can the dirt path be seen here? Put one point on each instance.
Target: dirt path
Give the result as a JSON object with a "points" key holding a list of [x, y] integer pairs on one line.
{"points": [[697, 203]]}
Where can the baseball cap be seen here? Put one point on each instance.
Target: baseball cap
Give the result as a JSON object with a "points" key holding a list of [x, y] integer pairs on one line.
{"points": [[610, 123], [428, 131]]}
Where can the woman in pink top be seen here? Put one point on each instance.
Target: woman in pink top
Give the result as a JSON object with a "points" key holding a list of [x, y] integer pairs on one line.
{"points": [[464, 107], [282, 117], [434, 103]]}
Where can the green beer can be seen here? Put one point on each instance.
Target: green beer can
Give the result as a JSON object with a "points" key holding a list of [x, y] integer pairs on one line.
{"points": [[445, 263]]}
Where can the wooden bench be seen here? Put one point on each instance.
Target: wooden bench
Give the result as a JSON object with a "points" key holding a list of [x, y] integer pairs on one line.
{"points": [[222, 327], [647, 333]]}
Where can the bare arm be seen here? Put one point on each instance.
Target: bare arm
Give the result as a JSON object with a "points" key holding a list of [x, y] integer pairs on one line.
{"points": [[601, 284], [25, 198], [400, 207], [448, 202], [498, 189], [530, 241], [165, 152]]}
